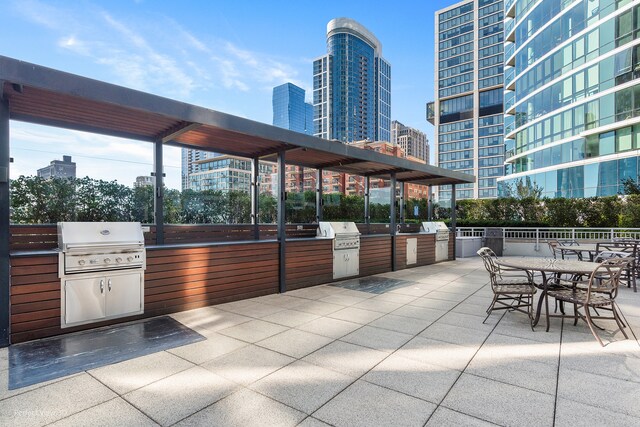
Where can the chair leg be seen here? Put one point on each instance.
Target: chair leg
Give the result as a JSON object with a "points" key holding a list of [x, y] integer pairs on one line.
{"points": [[575, 314], [530, 310], [619, 321], [590, 324], [490, 309]]}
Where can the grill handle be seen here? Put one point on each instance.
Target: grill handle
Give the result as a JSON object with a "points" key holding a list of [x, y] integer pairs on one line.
{"points": [[102, 286], [76, 246], [109, 285]]}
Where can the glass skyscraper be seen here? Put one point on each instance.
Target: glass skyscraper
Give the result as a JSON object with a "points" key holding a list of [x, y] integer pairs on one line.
{"points": [[289, 109], [468, 111], [572, 99], [352, 86]]}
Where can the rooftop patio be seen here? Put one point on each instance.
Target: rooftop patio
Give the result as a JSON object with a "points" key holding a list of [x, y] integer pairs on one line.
{"points": [[410, 351]]}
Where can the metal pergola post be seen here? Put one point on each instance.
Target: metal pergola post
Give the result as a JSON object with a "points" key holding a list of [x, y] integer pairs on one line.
{"points": [[319, 200], [453, 218], [402, 202], [392, 219], [367, 200], [4, 220], [158, 191], [255, 197], [282, 234]]}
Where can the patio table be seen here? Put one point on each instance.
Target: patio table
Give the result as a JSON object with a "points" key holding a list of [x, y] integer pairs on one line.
{"points": [[578, 250], [545, 266]]}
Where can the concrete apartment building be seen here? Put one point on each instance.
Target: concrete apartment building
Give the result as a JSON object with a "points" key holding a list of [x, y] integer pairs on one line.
{"points": [[64, 168], [468, 111]]}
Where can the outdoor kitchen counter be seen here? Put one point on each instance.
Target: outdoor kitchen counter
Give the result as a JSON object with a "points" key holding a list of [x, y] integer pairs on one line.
{"points": [[181, 277]]}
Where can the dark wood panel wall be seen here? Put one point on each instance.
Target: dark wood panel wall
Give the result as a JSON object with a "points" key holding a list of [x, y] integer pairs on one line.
{"points": [[375, 255], [175, 280], [308, 263]]}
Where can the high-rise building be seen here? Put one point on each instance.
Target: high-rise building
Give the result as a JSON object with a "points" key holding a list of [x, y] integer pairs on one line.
{"points": [[572, 98], [64, 168], [289, 109], [412, 141], [468, 113], [352, 86]]}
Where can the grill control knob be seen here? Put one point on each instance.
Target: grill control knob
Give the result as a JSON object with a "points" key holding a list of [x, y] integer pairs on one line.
{"points": [[82, 262], [129, 258], [118, 260], [107, 260]]}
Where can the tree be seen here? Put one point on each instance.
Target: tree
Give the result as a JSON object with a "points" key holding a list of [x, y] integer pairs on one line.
{"points": [[631, 186]]}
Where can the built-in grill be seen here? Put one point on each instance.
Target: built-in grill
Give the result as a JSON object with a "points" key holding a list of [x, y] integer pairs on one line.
{"points": [[101, 267], [346, 247], [441, 231]]}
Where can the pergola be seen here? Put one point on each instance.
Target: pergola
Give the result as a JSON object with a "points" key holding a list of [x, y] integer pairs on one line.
{"points": [[40, 95]]}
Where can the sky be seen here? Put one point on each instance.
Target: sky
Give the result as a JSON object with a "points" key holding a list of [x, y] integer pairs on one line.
{"points": [[222, 55]]}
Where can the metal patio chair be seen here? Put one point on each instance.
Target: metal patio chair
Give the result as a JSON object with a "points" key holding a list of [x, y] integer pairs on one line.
{"points": [[597, 292], [629, 247], [513, 289]]}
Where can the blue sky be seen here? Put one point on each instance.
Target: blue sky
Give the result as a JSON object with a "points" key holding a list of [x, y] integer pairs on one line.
{"points": [[224, 55]]}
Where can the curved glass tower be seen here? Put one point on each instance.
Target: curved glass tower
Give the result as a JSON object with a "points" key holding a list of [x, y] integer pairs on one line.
{"points": [[352, 86], [572, 96]]}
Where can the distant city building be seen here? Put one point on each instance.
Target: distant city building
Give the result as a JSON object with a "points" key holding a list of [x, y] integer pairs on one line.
{"points": [[190, 159], [229, 173], [412, 141], [572, 99], [64, 168], [289, 109], [144, 181], [352, 86], [468, 113], [334, 182]]}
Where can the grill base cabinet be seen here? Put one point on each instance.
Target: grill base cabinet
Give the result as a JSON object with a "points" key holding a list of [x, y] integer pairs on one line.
{"points": [[94, 298], [346, 247], [346, 263]]}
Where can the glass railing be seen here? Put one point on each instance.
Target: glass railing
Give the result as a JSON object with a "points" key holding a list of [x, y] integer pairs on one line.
{"points": [[509, 75], [509, 127], [509, 50], [508, 4], [508, 27], [509, 100]]}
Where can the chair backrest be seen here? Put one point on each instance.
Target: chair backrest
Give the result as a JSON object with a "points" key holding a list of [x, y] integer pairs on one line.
{"points": [[604, 255], [606, 277], [489, 257], [553, 247], [630, 247], [568, 242]]}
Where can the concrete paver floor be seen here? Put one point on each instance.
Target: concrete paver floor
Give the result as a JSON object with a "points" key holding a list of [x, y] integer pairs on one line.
{"points": [[413, 356]]}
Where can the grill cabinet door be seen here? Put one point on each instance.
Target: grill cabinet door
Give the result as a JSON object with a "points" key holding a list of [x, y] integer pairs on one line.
{"points": [[124, 294], [84, 300], [412, 251]]}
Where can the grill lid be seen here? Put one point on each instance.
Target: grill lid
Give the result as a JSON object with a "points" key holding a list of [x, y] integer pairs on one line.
{"points": [[81, 236], [434, 227], [333, 229]]}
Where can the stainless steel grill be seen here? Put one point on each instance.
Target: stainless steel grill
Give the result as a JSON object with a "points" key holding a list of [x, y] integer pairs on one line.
{"points": [[101, 267], [346, 247], [441, 231]]}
